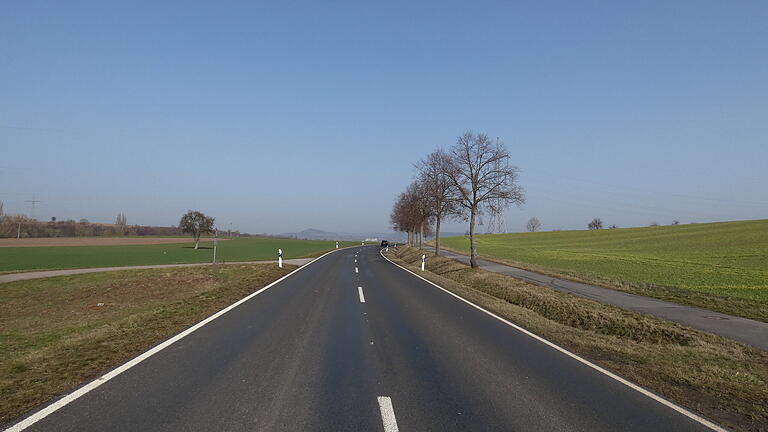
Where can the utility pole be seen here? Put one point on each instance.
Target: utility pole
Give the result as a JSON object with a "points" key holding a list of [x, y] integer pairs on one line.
{"points": [[32, 203], [497, 224]]}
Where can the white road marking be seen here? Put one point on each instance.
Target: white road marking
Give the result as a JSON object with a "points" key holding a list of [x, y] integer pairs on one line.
{"points": [[610, 374], [355, 259], [387, 414], [362, 297], [355, 269], [55, 406]]}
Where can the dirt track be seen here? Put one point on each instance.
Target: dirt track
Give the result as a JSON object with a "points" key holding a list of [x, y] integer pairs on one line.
{"points": [[93, 241]]}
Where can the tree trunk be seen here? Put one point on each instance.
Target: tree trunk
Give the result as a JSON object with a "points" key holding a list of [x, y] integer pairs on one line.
{"points": [[437, 236], [421, 235], [472, 245]]}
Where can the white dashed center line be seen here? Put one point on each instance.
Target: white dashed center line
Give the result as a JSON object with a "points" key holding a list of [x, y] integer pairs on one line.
{"points": [[362, 297], [387, 414]]}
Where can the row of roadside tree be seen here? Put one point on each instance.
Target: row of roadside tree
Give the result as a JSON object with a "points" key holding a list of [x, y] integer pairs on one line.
{"points": [[472, 177]]}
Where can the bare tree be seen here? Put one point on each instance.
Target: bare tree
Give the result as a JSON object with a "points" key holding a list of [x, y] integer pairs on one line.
{"points": [[196, 223], [438, 190], [596, 224], [412, 214], [533, 224], [421, 208], [403, 217], [675, 222], [483, 178], [122, 223]]}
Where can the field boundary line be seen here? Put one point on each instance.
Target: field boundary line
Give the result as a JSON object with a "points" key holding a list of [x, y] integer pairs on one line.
{"points": [[695, 417], [74, 395]]}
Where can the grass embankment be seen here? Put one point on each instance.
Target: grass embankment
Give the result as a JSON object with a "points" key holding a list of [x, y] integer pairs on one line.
{"points": [[717, 266], [237, 249], [721, 379], [54, 335]]}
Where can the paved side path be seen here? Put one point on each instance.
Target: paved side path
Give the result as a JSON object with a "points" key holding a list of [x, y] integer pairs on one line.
{"points": [[743, 330], [50, 273]]}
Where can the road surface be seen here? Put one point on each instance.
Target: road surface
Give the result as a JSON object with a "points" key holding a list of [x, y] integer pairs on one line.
{"points": [[355, 343]]}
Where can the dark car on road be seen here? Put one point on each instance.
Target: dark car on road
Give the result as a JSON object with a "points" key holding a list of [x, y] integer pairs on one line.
{"points": [[384, 243]]}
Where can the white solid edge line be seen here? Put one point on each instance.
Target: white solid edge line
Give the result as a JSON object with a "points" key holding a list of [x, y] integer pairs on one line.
{"points": [[360, 292], [627, 383], [387, 414], [55, 406]]}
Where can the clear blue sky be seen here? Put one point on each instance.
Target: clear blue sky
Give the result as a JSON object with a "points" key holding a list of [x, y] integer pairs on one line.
{"points": [[288, 115]]}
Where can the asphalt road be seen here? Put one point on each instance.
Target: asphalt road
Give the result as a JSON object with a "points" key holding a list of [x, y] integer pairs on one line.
{"points": [[309, 355]]}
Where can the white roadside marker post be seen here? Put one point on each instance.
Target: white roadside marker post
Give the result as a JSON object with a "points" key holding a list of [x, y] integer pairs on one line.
{"points": [[423, 261], [337, 245], [280, 258], [215, 243]]}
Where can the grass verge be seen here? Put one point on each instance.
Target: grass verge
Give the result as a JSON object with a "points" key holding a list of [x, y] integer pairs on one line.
{"points": [[723, 380], [736, 306], [57, 333], [234, 250], [719, 266]]}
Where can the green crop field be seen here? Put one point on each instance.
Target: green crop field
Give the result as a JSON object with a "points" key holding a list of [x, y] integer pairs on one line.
{"points": [[721, 266], [237, 249]]}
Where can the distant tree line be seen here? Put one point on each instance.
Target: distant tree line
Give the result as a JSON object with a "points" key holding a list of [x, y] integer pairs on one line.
{"points": [[597, 224], [473, 176], [23, 226], [19, 225]]}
